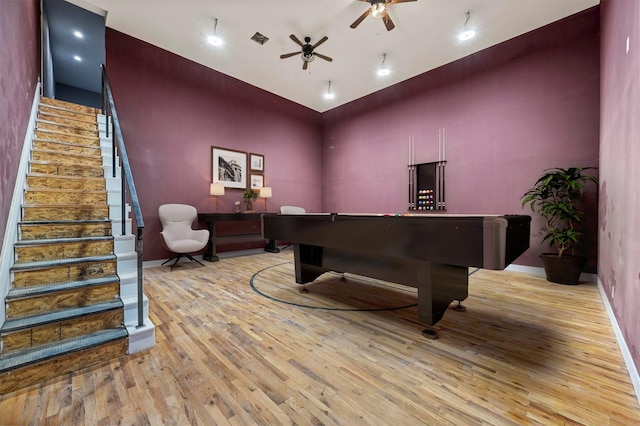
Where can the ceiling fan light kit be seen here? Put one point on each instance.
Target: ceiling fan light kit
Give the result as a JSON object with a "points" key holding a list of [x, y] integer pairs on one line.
{"points": [[379, 9], [308, 53]]}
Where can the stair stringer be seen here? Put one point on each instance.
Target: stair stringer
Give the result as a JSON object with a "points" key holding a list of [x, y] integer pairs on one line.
{"points": [[7, 254], [140, 338]]}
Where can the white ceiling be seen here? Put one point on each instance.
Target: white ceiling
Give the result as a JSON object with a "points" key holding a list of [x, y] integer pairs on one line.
{"points": [[425, 37]]}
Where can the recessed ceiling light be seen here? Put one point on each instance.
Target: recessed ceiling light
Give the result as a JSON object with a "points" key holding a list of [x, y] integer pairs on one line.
{"points": [[329, 94], [78, 34], [77, 58], [466, 35], [214, 40], [383, 70]]}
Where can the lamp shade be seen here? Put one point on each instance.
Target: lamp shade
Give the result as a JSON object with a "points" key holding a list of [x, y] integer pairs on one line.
{"points": [[265, 192], [216, 189]]}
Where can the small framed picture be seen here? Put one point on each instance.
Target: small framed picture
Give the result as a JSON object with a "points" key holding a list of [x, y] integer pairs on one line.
{"points": [[256, 162], [257, 181]]}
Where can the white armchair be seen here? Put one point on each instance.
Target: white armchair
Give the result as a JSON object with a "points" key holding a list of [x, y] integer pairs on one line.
{"points": [[291, 210], [177, 234]]}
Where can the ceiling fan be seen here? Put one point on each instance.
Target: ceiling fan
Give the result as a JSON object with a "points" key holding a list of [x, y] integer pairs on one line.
{"points": [[379, 9], [307, 52]]}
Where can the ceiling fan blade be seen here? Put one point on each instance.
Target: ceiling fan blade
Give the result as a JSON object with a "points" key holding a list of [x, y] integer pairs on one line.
{"points": [[296, 40], [322, 40], [400, 1], [360, 18], [326, 58], [288, 55], [388, 22], [305, 64]]}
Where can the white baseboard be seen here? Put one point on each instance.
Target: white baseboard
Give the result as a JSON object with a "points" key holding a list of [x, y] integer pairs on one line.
{"points": [[624, 349], [225, 255], [539, 271]]}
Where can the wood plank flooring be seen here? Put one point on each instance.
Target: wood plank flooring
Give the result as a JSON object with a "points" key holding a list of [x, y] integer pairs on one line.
{"points": [[526, 352]]}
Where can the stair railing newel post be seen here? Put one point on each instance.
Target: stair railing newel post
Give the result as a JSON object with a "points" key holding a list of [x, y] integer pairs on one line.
{"points": [[140, 280], [123, 209]]}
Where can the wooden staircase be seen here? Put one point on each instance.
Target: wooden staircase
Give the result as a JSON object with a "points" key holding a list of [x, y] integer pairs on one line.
{"points": [[63, 310]]}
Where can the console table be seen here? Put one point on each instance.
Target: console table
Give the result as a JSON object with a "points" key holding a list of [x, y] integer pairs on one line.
{"points": [[245, 228]]}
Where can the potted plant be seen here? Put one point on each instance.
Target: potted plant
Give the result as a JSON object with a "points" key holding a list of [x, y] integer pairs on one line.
{"points": [[250, 195], [558, 197]]}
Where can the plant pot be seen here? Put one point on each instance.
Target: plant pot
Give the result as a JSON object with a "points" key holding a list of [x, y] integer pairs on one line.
{"points": [[562, 269]]}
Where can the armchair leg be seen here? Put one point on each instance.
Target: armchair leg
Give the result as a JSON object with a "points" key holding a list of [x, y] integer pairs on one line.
{"points": [[193, 259], [177, 258]]}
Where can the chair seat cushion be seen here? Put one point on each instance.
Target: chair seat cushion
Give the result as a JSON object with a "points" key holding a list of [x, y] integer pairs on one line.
{"points": [[184, 246]]}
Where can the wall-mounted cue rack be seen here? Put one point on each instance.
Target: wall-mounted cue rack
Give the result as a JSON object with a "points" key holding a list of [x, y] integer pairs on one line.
{"points": [[426, 186], [426, 180]]}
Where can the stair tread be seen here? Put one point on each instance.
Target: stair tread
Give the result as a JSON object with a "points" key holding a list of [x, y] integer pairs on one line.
{"points": [[79, 206], [43, 138], [45, 241], [69, 154], [63, 314], [63, 222], [60, 104], [84, 166], [42, 119], [70, 177], [38, 290], [61, 108], [52, 111], [51, 350], [41, 264], [68, 134], [72, 190], [64, 143]]}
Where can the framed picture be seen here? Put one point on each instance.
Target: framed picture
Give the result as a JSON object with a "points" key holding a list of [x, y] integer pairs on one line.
{"points": [[256, 162], [229, 167], [257, 181]]}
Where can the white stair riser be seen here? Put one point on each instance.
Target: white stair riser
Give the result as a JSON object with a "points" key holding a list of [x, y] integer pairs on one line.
{"points": [[127, 262], [116, 228], [113, 184], [106, 150], [108, 170], [114, 197], [107, 162], [131, 310], [115, 211], [124, 244]]}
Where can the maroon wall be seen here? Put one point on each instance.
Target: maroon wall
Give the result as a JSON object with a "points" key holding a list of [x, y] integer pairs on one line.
{"points": [[509, 112], [619, 250], [173, 110], [19, 70]]}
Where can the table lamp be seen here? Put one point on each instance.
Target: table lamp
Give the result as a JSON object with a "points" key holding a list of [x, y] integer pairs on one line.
{"points": [[216, 190], [265, 192]]}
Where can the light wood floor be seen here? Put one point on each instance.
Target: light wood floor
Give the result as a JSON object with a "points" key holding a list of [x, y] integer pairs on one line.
{"points": [[525, 352]]}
